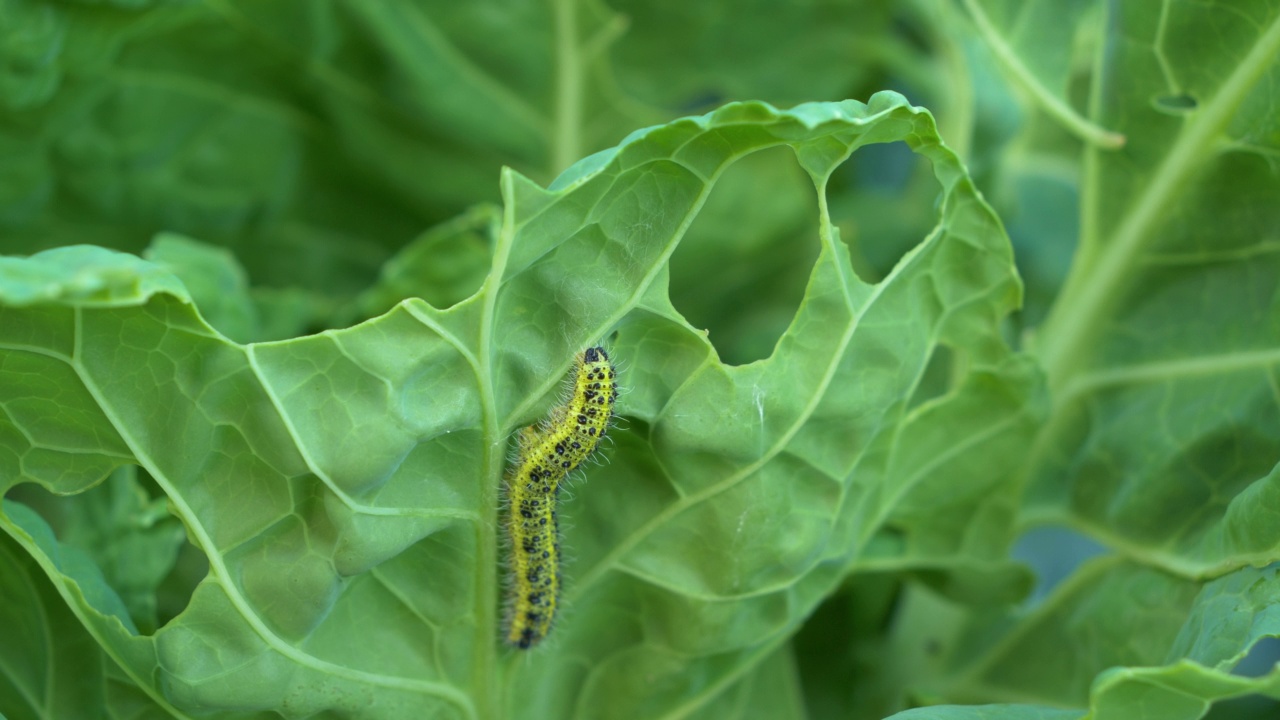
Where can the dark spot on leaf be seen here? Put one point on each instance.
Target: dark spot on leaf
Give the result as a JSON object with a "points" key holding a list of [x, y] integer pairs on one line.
{"points": [[1179, 104]]}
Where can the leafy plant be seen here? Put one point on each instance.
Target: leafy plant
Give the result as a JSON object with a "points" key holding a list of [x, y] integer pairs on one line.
{"points": [[286, 277]]}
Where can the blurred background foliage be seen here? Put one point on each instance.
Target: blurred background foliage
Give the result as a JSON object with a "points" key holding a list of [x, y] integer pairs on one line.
{"points": [[316, 141]]}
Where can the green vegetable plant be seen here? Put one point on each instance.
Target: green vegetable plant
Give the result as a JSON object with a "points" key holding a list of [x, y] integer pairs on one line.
{"points": [[954, 401]]}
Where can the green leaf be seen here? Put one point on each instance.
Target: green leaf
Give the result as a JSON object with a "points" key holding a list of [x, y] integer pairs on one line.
{"points": [[1230, 615], [345, 486], [1162, 346], [1122, 640], [1110, 613]]}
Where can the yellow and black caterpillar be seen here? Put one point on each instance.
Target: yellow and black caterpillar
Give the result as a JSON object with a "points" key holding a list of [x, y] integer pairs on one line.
{"points": [[548, 452]]}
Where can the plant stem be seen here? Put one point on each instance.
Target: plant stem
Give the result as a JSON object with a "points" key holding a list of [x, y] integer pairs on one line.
{"points": [[1086, 130], [567, 130]]}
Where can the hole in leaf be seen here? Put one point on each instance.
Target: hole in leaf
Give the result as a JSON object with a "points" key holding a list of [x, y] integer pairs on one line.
{"points": [[937, 376], [1260, 660], [1040, 207], [173, 594], [839, 649], [124, 527], [884, 200], [741, 270], [1054, 553], [1179, 104], [444, 265], [1249, 707]]}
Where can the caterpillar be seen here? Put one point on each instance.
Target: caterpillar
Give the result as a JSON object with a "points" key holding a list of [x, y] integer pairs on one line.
{"points": [[547, 453]]}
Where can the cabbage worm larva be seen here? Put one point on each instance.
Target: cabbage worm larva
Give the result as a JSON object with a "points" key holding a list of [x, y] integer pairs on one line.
{"points": [[547, 454]]}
